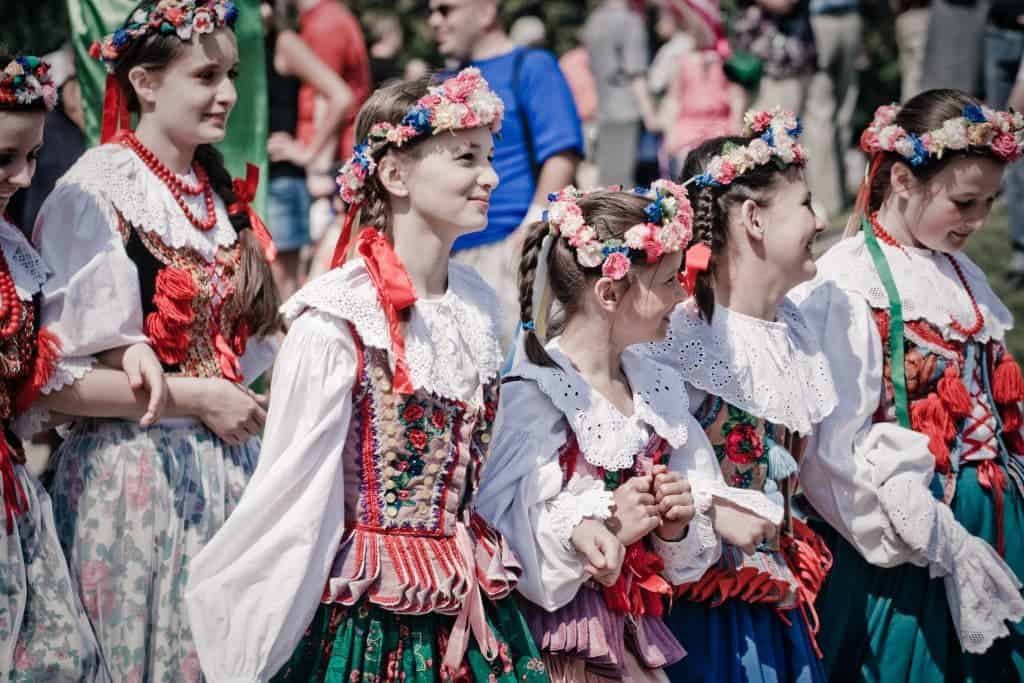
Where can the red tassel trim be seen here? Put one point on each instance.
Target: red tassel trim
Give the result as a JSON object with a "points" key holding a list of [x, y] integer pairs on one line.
{"points": [[15, 500], [47, 353], [953, 393], [993, 479], [810, 560], [930, 417], [168, 327], [1011, 417], [747, 584], [1007, 381]]}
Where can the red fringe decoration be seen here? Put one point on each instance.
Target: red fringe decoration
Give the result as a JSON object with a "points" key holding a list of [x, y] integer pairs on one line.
{"points": [[15, 500], [1007, 381], [810, 560], [953, 393], [640, 589], [930, 417], [47, 353], [747, 584], [992, 477], [168, 327]]}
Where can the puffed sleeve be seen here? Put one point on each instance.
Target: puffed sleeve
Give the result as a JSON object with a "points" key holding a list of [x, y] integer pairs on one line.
{"points": [[254, 588], [871, 481], [92, 300], [522, 495]]}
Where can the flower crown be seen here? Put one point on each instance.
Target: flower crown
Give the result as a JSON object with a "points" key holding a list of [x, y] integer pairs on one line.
{"points": [[459, 103], [178, 17], [777, 132], [25, 80], [669, 228], [979, 126]]}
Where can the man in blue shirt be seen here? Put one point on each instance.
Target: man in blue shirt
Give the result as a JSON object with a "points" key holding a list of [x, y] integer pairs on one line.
{"points": [[540, 144]]}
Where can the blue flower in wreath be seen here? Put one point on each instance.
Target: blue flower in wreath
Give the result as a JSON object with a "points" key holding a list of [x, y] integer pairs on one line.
{"points": [[230, 13], [419, 118], [654, 211], [920, 153], [121, 37], [974, 114]]}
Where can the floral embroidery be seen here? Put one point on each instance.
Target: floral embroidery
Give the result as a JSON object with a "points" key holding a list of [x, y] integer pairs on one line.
{"points": [[739, 442]]}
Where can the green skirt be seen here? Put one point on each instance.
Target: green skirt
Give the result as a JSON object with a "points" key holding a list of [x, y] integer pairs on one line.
{"points": [[368, 644], [893, 625]]}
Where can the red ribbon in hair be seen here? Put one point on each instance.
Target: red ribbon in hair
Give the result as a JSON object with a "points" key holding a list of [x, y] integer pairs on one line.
{"points": [[115, 110], [698, 259], [341, 248], [396, 294], [245, 193]]}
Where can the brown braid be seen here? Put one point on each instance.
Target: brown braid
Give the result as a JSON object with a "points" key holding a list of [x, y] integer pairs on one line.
{"points": [[704, 219], [535, 235]]}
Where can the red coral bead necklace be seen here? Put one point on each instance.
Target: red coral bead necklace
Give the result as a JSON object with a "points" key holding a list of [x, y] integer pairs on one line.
{"points": [[979, 317], [177, 186]]}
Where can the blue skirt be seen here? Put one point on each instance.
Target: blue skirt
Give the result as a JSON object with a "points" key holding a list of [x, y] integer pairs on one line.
{"points": [[739, 642]]}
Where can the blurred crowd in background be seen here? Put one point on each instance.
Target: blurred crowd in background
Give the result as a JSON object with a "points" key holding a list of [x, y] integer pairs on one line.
{"points": [[598, 92]]}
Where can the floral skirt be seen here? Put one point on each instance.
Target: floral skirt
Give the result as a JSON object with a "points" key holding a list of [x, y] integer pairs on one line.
{"points": [[889, 625], [368, 644], [44, 633], [133, 506]]}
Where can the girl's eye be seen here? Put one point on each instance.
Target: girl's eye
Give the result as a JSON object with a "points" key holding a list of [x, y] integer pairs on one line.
{"points": [[963, 203], [6, 159], [468, 156], [233, 74], [33, 155]]}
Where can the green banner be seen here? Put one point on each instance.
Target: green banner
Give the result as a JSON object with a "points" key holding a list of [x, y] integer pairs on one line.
{"points": [[246, 140]]}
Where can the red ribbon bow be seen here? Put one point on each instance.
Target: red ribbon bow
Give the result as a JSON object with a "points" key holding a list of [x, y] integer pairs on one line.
{"points": [[15, 500], [396, 293], [115, 110], [698, 259], [245, 193]]}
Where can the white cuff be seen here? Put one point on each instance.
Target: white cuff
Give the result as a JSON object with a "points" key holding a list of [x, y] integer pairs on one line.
{"points": [[688, 558], [68, 370], [584, 497]]}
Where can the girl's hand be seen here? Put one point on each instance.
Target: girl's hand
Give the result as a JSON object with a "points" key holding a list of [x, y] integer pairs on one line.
{"points": [[231, 411], [636, 515], [741, 528], [674, 499], [602, 550], [145, 373]]}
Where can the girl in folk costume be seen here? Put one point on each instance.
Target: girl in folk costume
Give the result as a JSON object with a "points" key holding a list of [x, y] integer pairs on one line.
{"points": [[757, 379], [917, 469], [355, 554], [156, 269], [44, 633], [596, 459]]}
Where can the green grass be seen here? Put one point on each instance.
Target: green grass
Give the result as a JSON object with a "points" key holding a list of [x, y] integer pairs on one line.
{"points": [[990, 249]]}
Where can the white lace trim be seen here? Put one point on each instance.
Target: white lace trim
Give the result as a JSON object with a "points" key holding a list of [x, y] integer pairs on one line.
{"points": [[584, 497], [982, 591], [67, 371], [606, 437], [929, 287], [774, 370], [27, 268], [700, 541], [450, 343], [748, 499], [116, 175]]}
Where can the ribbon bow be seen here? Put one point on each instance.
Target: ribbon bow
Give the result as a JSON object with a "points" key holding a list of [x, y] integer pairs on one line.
{"points": [[15, 500], [698, 259], [245, 193], [396, 294]]}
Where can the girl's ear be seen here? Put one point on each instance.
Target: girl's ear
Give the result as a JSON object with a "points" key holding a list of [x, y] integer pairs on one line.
{"points": [[751, 221], [901, 178], [391, 172], [145, 84], [606, 291]]}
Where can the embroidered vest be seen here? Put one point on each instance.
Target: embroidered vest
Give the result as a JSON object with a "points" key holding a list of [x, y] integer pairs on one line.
{"points": [[412, 464], [193, 316]]}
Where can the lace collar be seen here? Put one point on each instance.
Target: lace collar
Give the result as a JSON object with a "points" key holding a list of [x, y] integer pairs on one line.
{"points": [[774, 370], [450, 343], [928, 285], [606, 437], [115, 174], [26, 266]]}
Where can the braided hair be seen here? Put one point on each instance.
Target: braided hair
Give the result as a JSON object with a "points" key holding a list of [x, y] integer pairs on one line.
{"points": [[711, 205], [610, 214]]}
